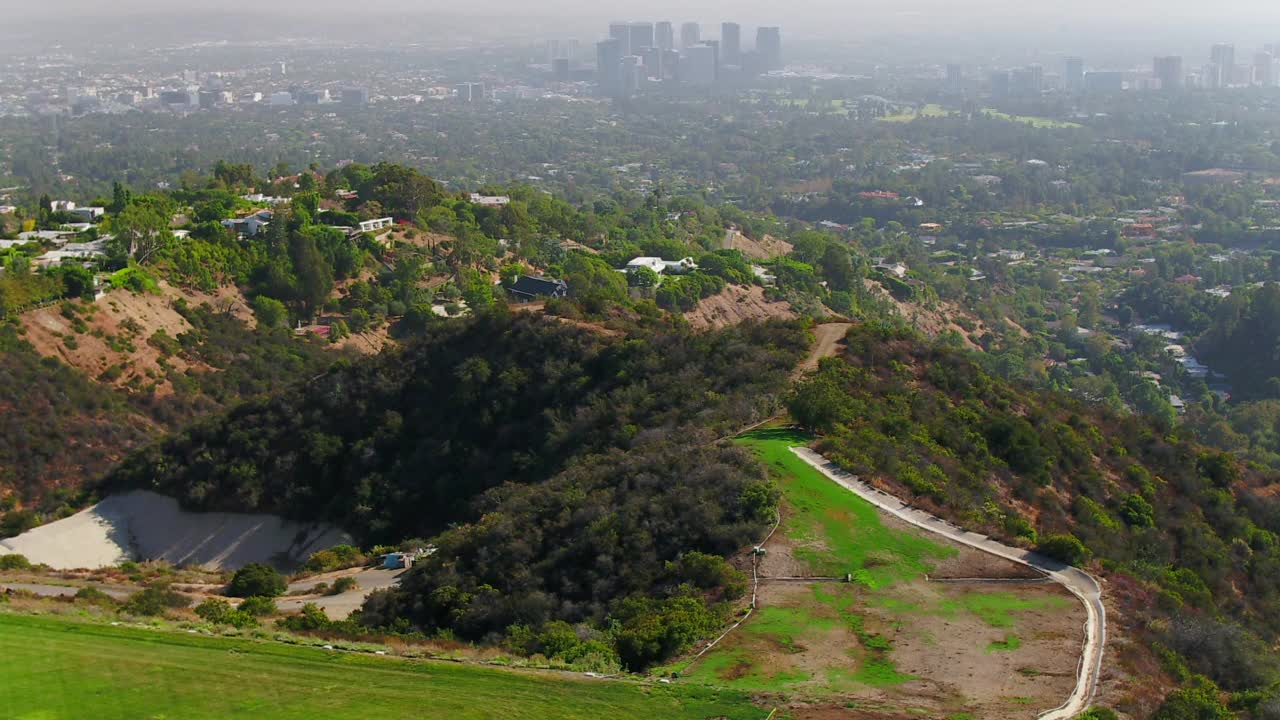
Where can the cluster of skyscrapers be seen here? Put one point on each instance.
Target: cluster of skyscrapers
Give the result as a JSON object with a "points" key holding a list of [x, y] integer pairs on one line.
{"points": [[1167, 73], [639, 53]]}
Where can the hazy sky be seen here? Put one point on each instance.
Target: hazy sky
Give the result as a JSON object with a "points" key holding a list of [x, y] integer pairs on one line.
{"points": [[1156, 13], [1244, 21]]}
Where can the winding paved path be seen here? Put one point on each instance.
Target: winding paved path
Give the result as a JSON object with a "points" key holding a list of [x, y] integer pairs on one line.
{"points": [[1077, 581]]}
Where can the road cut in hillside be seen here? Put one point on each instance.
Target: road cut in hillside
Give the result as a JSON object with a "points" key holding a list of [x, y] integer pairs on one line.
{"points": [[142, 525]]}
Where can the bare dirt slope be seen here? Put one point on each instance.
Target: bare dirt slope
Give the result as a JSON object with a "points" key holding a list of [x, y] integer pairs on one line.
{"points": [[736, 304], [145, 526], [763, 249], [111, 339], [828, 339]]}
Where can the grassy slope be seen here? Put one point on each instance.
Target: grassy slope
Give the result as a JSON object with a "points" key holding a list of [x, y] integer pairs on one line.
{"points": [[54, 669], [843, 532], [836, 532]]}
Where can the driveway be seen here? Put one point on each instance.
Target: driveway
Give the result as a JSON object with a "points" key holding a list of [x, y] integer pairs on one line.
{"points": [[1075, 580]]}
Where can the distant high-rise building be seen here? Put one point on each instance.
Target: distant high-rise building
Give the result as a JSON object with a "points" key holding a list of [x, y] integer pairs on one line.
{"points": [[553, 51], [769, 47], [355, 96], [1262, 69], [1223, 58], [665, 35], [1073, 74], [1168, 70], [1000, 84], [1027, 81], [955, 79], [690, 34], [651, 62], [731, 43], [1107, 81], [699, 65], [469, 91], [609, 66], [621, 32], [560, 69], [641, 37], [670, 64]]}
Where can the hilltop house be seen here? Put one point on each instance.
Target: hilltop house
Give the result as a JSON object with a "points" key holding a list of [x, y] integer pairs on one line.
{"points": [[527, 289], [249, 225]]}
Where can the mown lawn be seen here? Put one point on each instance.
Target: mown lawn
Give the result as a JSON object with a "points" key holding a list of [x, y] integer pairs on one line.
{"points": [[54, 668]]}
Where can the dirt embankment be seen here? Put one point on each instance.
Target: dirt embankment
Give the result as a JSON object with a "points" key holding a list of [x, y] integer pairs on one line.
{"points": [[763, 249], [126, 339], [736, 304]]}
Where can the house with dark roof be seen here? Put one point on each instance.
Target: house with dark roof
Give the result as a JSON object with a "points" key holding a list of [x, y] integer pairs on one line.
{"points": [[528, 289]]}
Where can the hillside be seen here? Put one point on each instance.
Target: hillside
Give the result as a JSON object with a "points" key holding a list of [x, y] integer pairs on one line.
{"points": [[1184, 534]]}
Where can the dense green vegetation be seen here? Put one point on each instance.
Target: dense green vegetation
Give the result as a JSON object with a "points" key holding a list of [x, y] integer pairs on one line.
{"points": [[577, 471], [53, 668]]}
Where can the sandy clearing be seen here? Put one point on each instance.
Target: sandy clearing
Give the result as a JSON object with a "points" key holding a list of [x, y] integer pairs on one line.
{"points": [[143, 525], [338, 607], [765, 248], [950, 650]]}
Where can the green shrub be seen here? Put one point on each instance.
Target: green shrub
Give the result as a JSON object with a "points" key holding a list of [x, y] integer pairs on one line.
{"points": [[155, 600], [94, 596], [258, 606], [343, 584], [14, 562], [1064, 548], [256, 579], [220, 612]]}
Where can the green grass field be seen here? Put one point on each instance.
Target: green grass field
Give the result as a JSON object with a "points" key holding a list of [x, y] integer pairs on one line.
{"points": [[837, 532], [931, 110], [1037, 122], [53, 668]]}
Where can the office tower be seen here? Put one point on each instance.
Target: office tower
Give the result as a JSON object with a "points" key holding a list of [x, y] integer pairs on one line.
{"points": [[699, 65], [715, 45], [553, 51], [1073, 74], [609, 66], [955, 79], [690, 35], [1168, 70], [632, 71], [560, 69], [641, 37], [469, 91], [1262, 74], [621, 32], [1000, 84], [1109, 81], [666, 36], [769, 47], [1027, 81], [355, 96], [731, 44], [670, 64], [1223, 57], [651, 62]]}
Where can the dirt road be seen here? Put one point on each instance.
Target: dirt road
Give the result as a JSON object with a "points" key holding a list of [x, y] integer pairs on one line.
{"points": [[827, 339], [339, 606], [1078, 582]]}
